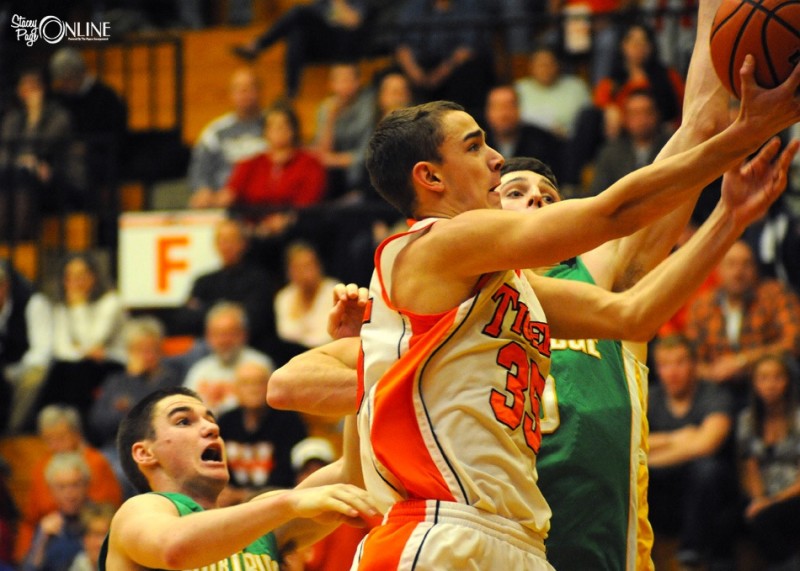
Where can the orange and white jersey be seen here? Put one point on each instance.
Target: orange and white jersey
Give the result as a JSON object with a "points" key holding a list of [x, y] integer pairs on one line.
{"points": [[449, 408]]}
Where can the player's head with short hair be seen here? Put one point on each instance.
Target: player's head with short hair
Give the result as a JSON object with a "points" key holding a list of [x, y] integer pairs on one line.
{"points": [[137, 426], [402, 139], [529, 164]]}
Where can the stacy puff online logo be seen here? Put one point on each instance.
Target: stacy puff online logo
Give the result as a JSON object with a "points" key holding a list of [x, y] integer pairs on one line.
{"points": [[52, 30]]}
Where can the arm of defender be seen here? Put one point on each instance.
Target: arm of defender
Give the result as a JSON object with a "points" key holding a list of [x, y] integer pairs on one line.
{"points": [[320, 381], [148, 531], [577, 310]]}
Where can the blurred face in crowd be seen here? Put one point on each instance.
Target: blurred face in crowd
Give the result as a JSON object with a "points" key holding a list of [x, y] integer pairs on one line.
{"points": [[771, 382], [394, 93], [737, 270], [30, 89], [279, 131], [78, 280], [226, 335], [636, 46], [96, 530], [61, 437], [502, 110], [304, 269], [251, 385], [245, 93], [640, 117], [231, 242], [544, 67], [344, 81], [676, 369], [145, 350], [70, 489]]}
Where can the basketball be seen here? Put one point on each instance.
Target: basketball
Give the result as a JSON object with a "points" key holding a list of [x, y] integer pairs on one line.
{"points": [[767, 29]]}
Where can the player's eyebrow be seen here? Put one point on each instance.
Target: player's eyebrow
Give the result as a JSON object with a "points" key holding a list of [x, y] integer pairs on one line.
{"points": [[472, 134], [183, 409], [515, 179]]}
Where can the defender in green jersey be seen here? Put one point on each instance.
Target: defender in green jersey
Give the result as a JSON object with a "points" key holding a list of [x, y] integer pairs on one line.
{"points": [[169, 444]]}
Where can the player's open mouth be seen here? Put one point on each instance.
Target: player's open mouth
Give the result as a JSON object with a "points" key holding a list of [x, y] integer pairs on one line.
{"points": [[213, 453]]}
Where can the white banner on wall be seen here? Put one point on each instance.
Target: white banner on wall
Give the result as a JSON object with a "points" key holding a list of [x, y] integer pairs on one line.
{"points": [[161, 254]]}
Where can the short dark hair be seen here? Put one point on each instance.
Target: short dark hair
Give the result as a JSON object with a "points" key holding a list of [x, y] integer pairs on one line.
{"points": [[137, 426], [401, 140], [529, 164], [283, 107]]}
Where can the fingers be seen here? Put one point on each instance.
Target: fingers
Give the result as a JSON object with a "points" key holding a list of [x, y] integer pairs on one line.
{"points": [[350, 292], [747, 78]]}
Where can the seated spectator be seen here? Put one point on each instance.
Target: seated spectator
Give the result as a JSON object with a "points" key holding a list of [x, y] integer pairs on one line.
{"points": [[345, 121], [98, 115], [549, 98], [393, 92], [258, 439], [87, 343], [25, 349], [741, 320], [302, 306], [506, 132], [322, 29], [691, 479], [35, 159], [444, 51], [233, 137], [768, 442], [285, 176], [60, 428], [96, 521], [212, 376], [636, 67], [239, 280], [144, 372], [641, 138], [58, 537]]}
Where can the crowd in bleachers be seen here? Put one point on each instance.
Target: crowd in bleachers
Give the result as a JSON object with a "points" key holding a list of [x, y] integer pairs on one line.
{"points": [[724, 411]]}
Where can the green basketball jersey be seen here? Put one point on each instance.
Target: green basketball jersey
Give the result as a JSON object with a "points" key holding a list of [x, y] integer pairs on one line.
{"points": [[261, 555], [590, 454]]}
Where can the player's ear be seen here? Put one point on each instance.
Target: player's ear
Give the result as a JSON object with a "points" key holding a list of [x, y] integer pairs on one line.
{"points": [[426, 174], [143, 454]]}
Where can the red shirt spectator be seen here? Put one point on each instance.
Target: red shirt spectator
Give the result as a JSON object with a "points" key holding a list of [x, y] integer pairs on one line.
{"points": [[261, 181]]}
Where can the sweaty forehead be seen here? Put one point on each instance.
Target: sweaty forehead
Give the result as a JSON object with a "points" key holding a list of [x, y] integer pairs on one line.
{"points": [[458, 124]]}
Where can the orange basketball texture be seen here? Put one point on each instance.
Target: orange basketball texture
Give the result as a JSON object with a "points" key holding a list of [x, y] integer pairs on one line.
{"points": [[767, 29]]}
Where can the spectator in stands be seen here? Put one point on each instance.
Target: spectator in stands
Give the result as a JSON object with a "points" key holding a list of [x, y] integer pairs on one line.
{"points": [[233, 137], [549, 98], [775, 240], [144, 372], [212, 376], [59, 534], [741, 320], [285, 176], [768, 442], [639, 141], [443, 49], [394, 92], [87, 343], [511, 137], [239, 280], [258, 439], [60, 428], [690, 475], [34, 158], [323, 29], [25, 349], [302, 306], [98, 115], [635, 67], [345, 121], [96, 521]]}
